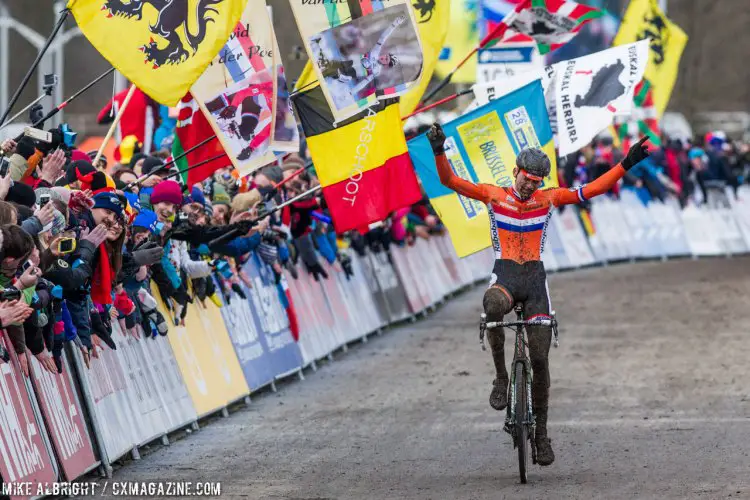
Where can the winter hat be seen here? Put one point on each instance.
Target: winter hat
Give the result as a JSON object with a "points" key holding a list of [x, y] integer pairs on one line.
{"points": [[273, 173], [146, 219], [60, 194], [109, 201], [128, 149], [77, 169], [58, 224], [293, 162], [92, 154], [152, 163], [167, 191], [696, 153], [133, 201], [245, 201], [134, 160], [208, 208], [220, 196], [98, 182], [78, 155], [22, 194]]}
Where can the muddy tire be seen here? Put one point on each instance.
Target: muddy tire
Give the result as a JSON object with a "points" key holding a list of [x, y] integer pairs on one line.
{"points": [[521, 430]]}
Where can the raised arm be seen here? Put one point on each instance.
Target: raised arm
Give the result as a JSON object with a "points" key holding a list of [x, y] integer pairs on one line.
{"points": [[436, 136], [605, 182]]}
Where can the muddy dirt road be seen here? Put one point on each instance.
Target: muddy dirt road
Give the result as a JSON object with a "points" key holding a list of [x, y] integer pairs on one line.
{"points": [[650, 398]]}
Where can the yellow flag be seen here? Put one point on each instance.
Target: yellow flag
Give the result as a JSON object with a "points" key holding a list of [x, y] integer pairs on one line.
{"points": [[462, 38], [308, 80], [644, 19], [432, 21], [163, 50]]}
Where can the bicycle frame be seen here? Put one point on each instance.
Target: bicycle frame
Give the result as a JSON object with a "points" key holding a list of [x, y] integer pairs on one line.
{"points": [[520, 355]]}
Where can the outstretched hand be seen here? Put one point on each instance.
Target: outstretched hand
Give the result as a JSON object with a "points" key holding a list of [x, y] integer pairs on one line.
{"points": [[638, 152], [436, 136]]}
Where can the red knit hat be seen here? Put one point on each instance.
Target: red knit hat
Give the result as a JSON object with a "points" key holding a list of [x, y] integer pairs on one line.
{"points": [[167, 191]]}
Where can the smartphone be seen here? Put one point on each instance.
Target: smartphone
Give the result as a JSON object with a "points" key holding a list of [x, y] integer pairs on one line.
{"points": [[44, 199], [39, 135], [26, 265], [66, 245], [4, 166]]}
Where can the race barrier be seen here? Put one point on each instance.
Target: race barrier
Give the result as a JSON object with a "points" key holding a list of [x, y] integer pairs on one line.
{"points": [[62, 426]]}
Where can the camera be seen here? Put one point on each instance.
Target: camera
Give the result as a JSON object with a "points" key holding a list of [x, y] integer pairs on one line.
{"points": [[10, 294], [44, 199]]}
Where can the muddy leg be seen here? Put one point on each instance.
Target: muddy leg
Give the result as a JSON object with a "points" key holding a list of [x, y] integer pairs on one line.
{"points": [[497, 304]]}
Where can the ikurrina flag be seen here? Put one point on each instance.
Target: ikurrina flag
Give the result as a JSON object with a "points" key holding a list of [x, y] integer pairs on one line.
{"points": [[193, 128], [362, 163], [432, 21], [590, 91], [645, 20], [362, 51], [481, 147], [551, 23], [162, 47], [238, 91]]}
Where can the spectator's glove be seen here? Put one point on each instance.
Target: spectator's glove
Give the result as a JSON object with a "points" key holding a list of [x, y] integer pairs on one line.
{"points": [[239, 291], [638, 152], [148, 254], [436, 136], [150, 313]]}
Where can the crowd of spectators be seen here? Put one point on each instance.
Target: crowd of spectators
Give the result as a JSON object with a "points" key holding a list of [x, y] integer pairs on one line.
{"points": [[683, 170], [81, 244]]}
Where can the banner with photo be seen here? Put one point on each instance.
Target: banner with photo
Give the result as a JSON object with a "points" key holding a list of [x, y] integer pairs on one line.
{"points": [[238, 90], [481, 147], [362, 51]]}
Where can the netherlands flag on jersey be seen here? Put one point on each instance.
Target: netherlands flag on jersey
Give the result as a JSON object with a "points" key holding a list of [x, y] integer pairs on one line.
{"points": [[516, 222], [240, 57]]}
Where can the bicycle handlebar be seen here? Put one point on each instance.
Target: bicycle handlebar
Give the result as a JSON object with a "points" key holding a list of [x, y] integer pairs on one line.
{"points": [[533, 322]]}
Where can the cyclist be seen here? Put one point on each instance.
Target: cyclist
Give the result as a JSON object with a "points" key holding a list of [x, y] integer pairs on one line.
{"points": [[519, 216]]}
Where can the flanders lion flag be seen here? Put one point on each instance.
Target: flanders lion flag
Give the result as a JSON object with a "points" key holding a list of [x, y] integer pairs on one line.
{"points": [[162, 47], [645, 20]]}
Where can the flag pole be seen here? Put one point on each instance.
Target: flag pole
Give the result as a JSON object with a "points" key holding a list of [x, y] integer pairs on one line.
{"points": [[191, 167], [509, 18], [112, 128], [32, 69], [438, 103], [172, 161], [67, 101]]}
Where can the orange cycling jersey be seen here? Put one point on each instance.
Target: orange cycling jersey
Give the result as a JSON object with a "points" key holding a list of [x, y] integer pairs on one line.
{"points": [[518, 227]]}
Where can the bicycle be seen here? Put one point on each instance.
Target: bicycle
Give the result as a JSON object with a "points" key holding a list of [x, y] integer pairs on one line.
{"points": [[519, 421]]}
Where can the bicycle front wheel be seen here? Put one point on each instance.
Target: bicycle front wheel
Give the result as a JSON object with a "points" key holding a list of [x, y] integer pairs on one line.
{"points": [[521, 410]]}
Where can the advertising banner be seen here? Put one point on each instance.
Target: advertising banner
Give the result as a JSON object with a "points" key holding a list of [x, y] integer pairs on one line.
{"points": [[259, 328], [507, 61], [207, 361], [63, 415], [23, 454]]}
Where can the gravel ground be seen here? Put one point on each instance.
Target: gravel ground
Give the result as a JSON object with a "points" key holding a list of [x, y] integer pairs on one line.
{"points": [[649, 399]]}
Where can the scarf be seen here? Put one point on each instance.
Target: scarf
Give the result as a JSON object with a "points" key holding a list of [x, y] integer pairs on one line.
{"points": [[101, 283]]}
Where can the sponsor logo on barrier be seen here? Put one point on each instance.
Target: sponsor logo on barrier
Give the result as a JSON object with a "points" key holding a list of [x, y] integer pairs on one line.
{"points": [[19, 452], [62, 412]]}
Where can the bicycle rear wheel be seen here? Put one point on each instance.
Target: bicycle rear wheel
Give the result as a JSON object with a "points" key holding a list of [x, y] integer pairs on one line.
{"points": [[521, 430]]}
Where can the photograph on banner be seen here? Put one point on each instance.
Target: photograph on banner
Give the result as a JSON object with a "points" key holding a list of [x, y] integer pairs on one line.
{"points": [[591, 90], [285, 131], [237, 90], [374, 55], [507, 61], [481, 147]]}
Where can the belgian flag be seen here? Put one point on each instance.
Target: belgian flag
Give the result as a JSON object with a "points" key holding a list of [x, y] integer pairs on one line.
{"points": [[363, 163]]}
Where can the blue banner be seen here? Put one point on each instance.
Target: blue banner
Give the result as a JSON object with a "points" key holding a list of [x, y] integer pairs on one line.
{"points": [[259, 328]]}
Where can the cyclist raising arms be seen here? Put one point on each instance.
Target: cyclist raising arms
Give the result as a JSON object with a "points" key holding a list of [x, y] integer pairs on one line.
{"points": [[518, 219]]}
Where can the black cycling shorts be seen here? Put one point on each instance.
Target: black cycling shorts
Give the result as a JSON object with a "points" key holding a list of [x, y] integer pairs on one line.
{"points": [[526, 283]]}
